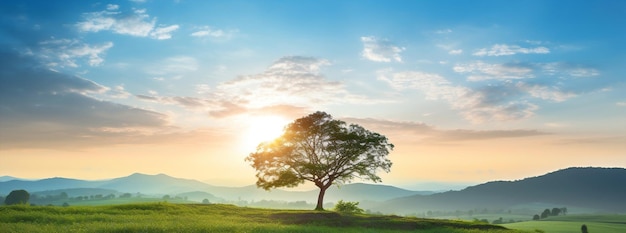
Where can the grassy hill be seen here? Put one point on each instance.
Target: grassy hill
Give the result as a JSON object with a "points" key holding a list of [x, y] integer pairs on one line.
{"points": [[572, 223], [165, 217], [601, 189]]}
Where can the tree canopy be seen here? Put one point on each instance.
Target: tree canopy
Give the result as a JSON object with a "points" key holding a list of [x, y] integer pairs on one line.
{"points": [[321, 150], [17, 197]]}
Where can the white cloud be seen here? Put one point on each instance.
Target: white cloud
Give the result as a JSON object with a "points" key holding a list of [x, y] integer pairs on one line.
{"points": [[506, 50], [477, 106], [206, 31], [67, 53], [560, 68], [138, 23], [163, 33], [380, 50], [112, 7], [621, 104], [546, 92], [444, 31], [480, 71], [455, 51]]}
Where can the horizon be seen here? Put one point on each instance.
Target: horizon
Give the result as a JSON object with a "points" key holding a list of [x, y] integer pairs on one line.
{"points": [[468, 92], [424, 185]]}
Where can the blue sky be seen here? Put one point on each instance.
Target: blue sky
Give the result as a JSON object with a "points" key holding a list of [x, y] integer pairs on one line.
{"points": [[469, 91]]}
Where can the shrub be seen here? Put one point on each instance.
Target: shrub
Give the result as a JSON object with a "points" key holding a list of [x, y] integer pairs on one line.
{"points": [[17, 197], [348, 207]]}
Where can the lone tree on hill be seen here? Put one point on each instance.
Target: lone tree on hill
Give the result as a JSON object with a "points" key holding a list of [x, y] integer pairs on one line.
{"points": [[17, 197], [321, 150]]}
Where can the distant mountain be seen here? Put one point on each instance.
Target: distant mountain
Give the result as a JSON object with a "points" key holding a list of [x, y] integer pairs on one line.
{"points": [[154, 184], [45, 184], [594, 188], [7, 178], [163, 184]]}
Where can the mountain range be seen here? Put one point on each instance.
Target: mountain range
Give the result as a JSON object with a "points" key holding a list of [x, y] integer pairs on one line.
{"points": [[601, 189]]}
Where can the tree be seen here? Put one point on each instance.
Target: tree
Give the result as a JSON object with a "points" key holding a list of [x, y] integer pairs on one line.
{"points": [[205, 201], [17, 197], [545, 213], [536, 217], [321, 150], [583, 229], [348, 207], [555, 211]]}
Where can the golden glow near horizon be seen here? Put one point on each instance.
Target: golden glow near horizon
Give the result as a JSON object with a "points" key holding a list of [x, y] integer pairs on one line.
{"points": [[262, 129]]}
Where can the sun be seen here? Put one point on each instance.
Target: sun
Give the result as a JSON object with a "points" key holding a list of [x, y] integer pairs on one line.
{"points": [[262, 129]]}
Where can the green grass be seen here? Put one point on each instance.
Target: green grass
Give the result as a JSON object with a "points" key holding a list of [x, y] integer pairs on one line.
{"points": [[166, 217], [572, 223]]}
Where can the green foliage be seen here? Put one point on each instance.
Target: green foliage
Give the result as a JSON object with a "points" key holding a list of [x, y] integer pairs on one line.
{"points": [[166, 217], [348, 207], [321, 150], [17, 197], [573, 223]]}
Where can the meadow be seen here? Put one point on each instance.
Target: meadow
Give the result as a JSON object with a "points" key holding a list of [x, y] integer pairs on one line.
{"points": [[573, 223], [168, 217]]}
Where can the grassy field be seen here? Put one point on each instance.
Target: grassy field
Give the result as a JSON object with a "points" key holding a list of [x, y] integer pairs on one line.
{"points": [[572, 223], [166, 217]]}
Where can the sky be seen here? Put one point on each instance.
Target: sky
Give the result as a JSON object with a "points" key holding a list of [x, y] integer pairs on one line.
{"points": [[467, 91]]}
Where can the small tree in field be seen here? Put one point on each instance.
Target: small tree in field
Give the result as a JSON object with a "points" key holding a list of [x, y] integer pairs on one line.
{"points": [[17, 197], [321, 150], [348, 207]]}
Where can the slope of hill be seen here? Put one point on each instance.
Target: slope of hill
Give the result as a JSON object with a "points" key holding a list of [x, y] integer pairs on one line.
{"points": [[163, 184], [595, 188]]}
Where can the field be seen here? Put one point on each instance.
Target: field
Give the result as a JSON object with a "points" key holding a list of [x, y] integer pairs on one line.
{"points": [[166, 217], [572, 223]]}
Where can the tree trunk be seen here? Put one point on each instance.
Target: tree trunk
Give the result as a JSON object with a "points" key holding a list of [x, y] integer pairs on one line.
{"points": [[320, 199]]}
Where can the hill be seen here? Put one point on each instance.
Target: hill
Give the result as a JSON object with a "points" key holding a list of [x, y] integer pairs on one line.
{"points": [[166, 217], [162, 184], [600, 189]]}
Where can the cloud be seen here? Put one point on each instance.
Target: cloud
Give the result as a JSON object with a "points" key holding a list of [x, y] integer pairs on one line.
{"points": [[480, 71], [546, 92], [291, 84], [478, 106], [380, 50], [44, 108], [572, 70], [621, 104], [428, 133], [507, 50], [455, 51], [163, 33], [67, 53], [207, 31], [136, 23], [291, 80]]}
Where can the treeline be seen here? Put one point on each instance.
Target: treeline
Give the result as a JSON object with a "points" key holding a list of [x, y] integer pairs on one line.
{"points": [[547, 213]]}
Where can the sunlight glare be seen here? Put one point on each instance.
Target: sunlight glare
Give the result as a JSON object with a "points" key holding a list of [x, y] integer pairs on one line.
{"points": [[262, 129]]}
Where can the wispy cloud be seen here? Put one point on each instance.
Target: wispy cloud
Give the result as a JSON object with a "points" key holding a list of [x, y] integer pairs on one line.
{"points": [[478, 106], [44, 108], [621, 104], [67, 53], [136, 23], [546, 92], [479, 71], [209, 32], [380, 50], [291, 83], [428, 133], [507, 50], [573, 70]]}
